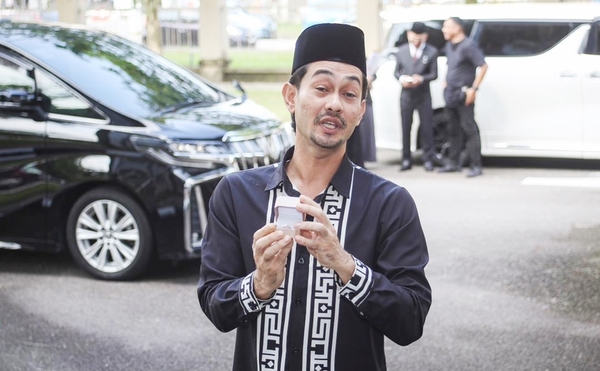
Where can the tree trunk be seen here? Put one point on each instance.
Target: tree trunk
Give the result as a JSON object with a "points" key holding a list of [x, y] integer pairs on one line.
{"points": [[153, 34]]}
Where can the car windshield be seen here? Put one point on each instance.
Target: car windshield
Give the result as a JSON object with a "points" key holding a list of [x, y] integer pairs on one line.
{"points": [[118, 73]]}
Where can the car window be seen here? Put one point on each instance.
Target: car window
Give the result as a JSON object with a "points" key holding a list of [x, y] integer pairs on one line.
{"points": [[63, 102], [15, 82], [12, 78], [118, 73], [519, 38], [593, 40], [398, 36]]}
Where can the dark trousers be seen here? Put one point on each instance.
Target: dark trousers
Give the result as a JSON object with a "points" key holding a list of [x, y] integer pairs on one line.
{"points": [[462, 128], [422, 103]]}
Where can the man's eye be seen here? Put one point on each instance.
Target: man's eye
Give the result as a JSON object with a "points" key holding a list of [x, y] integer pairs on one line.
{"points": [[351, 95]]}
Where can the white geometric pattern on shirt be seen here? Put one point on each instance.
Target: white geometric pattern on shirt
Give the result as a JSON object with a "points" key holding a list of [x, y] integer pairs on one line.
{"points": [[273, 322], [323, 299], [357, 289], [247, 297]]}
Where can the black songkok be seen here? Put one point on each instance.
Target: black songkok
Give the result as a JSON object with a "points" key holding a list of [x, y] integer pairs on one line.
{"points": [[419, 28], [331, 42]]}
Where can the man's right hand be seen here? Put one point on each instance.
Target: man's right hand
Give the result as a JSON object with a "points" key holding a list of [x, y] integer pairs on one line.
{"points": [[270, 248]]}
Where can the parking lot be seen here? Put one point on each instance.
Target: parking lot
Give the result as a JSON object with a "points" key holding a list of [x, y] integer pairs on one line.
{"points": [[515, 271]]}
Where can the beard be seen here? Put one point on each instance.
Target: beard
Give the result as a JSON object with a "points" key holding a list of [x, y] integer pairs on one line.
{"points": [[326, 141]]}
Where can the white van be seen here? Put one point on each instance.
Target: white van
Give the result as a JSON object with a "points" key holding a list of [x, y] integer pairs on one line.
{"points": [[541, 94]]}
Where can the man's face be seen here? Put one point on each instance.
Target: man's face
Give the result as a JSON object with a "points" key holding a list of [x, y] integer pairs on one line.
{"points": [[450, 29], [327, 106], [416, 39]]}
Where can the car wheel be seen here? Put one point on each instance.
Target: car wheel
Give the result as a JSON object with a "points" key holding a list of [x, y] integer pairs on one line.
{"points": [[441, 139], [108, 235]]}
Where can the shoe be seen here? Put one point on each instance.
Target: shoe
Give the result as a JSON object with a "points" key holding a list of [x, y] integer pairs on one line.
{"points": [[428, 165], [406, 165], [449, 169], [474, 171]]}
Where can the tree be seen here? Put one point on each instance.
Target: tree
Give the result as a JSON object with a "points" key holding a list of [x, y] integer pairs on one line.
{"points": [[153, 33]]}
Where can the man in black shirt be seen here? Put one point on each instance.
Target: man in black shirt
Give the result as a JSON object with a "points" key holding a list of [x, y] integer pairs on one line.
{"points": [[320, 293], [466, 69]]}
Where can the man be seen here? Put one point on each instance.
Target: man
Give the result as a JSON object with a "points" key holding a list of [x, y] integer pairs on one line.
{"points": [[466, 69], [325, 297], [416, 66]]}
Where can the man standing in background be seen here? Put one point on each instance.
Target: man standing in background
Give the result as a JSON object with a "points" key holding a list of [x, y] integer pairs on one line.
{"points": [[416, 66], [466, 69]]}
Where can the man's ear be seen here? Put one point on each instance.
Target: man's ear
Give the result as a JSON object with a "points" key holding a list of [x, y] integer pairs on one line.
{"points": [[363, 109], [289, 93]]}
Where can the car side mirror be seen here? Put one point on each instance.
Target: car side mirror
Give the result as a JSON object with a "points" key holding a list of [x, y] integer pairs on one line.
{"points": [[20, 102], [236, 84]]}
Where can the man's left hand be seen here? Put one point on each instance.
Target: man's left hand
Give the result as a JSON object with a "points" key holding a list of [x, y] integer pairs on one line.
{"points": [[470, 96], [320, 238]]}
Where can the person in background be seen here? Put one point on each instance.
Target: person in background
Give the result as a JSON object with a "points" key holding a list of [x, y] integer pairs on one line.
{"points": [[325, 296], [416, 67], [354, 148], [367, 125], [361, 146], [466, 69]]}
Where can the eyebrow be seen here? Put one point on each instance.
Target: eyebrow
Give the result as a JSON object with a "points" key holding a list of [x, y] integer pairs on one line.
{"points": [[329, 73]]}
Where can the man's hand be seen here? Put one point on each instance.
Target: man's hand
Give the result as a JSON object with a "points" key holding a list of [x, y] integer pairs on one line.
{"points": [[470, 96], [271, 248], [320, 238], [417, 80]]}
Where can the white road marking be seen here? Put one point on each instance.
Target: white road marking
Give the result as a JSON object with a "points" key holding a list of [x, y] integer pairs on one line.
{"points": [[591, 181]]}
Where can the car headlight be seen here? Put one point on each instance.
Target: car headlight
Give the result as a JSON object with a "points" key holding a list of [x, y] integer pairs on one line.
{"points": [[199, 154]]}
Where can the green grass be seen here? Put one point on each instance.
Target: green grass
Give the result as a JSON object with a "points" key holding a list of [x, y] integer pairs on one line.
{"points": [[247, 59], [240, 58], [270, 99], [267, 95], [288, 30]]}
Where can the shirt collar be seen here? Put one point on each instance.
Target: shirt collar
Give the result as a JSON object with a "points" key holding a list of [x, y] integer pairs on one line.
{"points": [[414, 49], [341, 181]]}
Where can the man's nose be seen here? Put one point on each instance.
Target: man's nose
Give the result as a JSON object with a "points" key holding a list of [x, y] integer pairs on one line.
{"points": [[334, 103]]}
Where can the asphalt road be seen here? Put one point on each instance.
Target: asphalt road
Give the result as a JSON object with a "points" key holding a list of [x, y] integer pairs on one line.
{"points": [[515, 271]]}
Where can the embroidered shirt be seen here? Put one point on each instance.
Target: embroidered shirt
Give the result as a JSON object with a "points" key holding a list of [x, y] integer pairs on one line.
{"points": [[314, 322]]}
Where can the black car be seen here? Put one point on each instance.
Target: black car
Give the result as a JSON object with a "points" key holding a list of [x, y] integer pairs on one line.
{"points": [[112, 151]]}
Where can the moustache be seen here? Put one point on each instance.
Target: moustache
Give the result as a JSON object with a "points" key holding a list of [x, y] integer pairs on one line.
{"points": [[333, 115]]}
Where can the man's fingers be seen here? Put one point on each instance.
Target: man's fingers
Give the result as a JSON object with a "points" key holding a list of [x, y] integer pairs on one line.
{"points": [[264, 231], [272, 244]]}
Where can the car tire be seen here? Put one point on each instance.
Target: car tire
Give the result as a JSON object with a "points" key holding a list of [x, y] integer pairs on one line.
{"points": [[441, 138], [108, 235]]}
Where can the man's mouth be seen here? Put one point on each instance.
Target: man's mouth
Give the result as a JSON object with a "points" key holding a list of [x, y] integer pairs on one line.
{"points": [[329, 125]]}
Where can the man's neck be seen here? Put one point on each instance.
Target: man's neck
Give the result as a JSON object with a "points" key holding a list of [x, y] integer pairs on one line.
{"points": [[458, 38], [312, 172]]}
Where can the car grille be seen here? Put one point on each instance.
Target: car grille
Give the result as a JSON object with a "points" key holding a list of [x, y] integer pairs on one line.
{"points": [[261, 150], [199, 207], [248, 152]]}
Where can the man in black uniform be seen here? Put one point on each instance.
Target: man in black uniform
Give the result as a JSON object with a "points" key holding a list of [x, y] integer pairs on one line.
{"points": [[466, 69], [416, 66]]}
